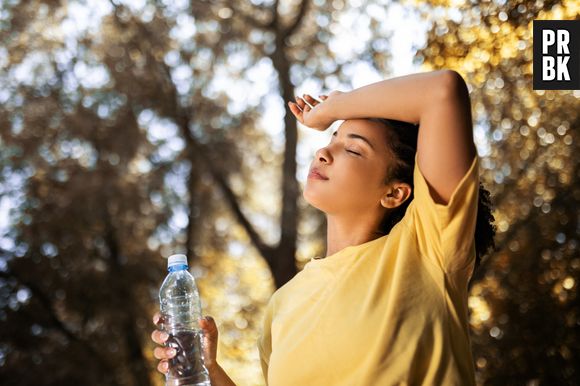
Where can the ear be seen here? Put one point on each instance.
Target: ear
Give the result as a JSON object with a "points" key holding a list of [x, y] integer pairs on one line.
{"points": [[396, 195]]}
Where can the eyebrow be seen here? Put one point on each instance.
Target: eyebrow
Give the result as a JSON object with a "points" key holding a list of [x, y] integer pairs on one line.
{"points": [[356, 136]]}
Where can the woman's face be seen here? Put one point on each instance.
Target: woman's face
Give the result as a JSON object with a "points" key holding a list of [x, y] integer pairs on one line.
{"points": [[354, 163]]}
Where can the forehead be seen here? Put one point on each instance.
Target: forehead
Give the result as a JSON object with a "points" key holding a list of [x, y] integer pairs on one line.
{"points": [[375, 132]]}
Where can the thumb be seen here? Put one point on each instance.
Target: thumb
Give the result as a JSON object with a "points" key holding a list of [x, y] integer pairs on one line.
{"points": [[209, 327], [210, 339]]}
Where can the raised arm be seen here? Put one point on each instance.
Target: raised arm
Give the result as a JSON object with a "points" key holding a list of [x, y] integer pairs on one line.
{"points": [[405, 98], [437, 100]]}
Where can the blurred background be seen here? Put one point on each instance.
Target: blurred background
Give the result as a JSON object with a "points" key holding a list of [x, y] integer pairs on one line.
{"points": [[131, 130]]}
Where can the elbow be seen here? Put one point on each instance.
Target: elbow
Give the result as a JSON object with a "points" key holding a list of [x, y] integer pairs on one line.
{"points": [[453, 85]]}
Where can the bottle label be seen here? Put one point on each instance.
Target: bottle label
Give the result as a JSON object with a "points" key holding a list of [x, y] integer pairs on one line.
{"points": [[177, 267]]}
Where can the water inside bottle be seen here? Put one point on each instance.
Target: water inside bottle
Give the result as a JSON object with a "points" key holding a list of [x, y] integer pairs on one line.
{"points": [[181, 311], [186, 366]]}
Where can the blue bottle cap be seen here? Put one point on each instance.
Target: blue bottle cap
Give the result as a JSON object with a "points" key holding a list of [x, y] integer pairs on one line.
{"points": [[175, 260]]}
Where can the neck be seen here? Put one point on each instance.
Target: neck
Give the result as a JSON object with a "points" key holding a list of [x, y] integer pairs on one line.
{"points": [[341, 233]]}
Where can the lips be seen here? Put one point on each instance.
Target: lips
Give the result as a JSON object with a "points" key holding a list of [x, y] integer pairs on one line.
{"points": [[316, 174]]}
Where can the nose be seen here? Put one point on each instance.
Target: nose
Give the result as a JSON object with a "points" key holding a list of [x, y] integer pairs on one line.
{"points": [[324, 155]]}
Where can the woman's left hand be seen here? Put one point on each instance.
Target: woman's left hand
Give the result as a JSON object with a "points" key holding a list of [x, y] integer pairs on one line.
{"points": [[314, 113]]}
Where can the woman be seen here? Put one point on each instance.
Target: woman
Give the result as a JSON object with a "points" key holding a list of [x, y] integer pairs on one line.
{"points": [[407, 224]]}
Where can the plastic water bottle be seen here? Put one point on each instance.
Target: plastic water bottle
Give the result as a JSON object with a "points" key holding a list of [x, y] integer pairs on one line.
{"points": [[181, 311]]}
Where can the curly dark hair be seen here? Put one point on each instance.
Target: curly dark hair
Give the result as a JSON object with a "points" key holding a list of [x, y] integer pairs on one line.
{"points": [[402, 140]]}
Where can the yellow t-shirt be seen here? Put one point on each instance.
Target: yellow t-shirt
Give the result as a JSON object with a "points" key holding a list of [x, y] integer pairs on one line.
{"points": [[391, 311]]}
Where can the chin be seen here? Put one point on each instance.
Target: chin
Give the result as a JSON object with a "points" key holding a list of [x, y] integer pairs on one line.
{"points": [[315, 200]]}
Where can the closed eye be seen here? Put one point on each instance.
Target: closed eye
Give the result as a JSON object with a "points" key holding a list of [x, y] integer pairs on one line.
{"points": [[347, 150]]}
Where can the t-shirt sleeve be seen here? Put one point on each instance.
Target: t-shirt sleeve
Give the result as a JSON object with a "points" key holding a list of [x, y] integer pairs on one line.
{"points": [[446, 233], [265, 339]]}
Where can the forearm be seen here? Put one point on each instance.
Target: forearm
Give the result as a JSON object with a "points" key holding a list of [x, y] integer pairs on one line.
{"points": [[403, 98], [218, 376]]}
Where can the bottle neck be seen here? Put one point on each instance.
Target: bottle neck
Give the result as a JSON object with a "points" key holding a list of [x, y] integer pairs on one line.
{"points": [[178, 267]]}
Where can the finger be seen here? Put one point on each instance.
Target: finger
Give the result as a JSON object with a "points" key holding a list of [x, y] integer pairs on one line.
{"points": [[294, 104], [323, 97], [210, 333], [163, 366], [300, 102], [308, 102], [159, 337], [209, 327], [210, 339], [295, 110], [164, 352], [157, 319], [312, 101]]}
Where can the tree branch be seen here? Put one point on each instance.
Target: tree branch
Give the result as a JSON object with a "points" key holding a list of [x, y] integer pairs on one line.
{"points": [[298, 20], [46, 303], [251, 20], [137, 361], [198, 151]]}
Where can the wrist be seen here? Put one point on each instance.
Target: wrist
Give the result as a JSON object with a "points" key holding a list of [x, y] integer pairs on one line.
{"points": [[213, 367], [218, 376], [335, 107]]}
